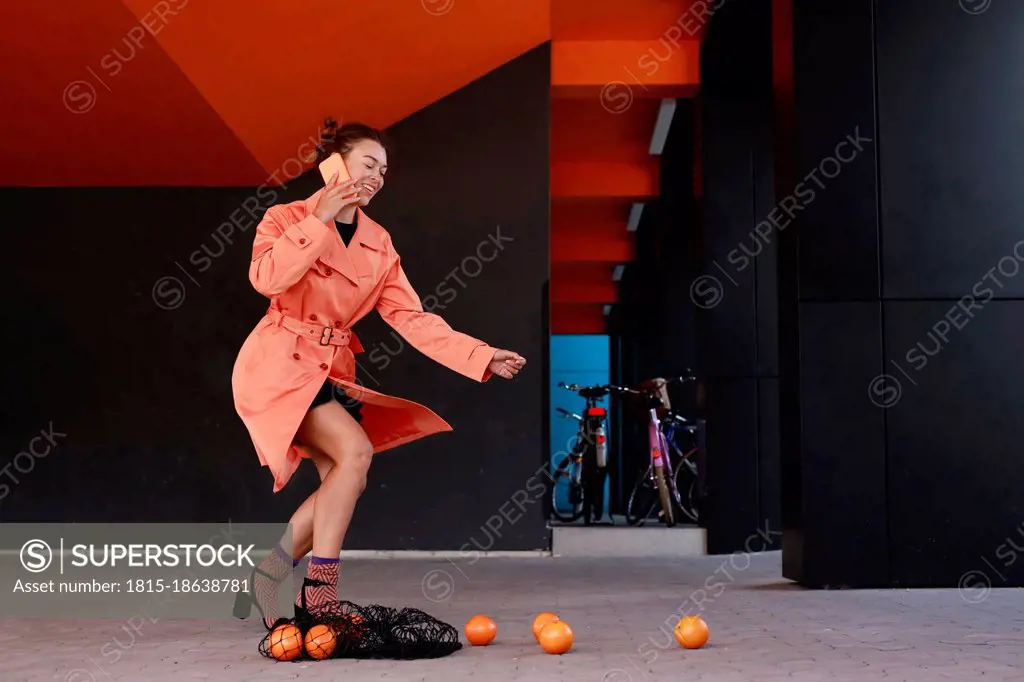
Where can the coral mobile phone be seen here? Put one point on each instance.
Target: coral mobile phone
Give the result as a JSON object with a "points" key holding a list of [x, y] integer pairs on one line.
{"points": [[333, 163]]}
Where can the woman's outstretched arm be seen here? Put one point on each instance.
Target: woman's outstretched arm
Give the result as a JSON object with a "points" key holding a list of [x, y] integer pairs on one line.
{"points": [[429, 333]]}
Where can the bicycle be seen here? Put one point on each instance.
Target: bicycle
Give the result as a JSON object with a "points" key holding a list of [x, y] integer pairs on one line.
{"points": [[685, 465], [580, 475], [659, 484]]}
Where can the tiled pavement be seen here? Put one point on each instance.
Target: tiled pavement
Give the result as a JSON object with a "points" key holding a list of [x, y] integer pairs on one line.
{"points": [[763, 629]]}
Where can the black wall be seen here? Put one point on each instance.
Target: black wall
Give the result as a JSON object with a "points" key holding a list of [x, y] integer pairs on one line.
{"points": [[735, 288], [143, 393], [899, 416]]}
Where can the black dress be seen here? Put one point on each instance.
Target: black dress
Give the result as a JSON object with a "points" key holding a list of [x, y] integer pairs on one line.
{"points": [[329, 391]]}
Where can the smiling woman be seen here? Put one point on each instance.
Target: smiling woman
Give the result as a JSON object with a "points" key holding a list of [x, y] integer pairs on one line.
{"points": [[324, 264]]}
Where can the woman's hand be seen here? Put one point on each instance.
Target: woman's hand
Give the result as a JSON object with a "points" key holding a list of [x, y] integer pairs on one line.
{"points": [[335, 197], [506, 364]]}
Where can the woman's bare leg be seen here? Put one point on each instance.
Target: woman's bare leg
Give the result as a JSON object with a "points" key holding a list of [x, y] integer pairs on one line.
{"points": [[292, 547], [332, 430], [302, 520]]}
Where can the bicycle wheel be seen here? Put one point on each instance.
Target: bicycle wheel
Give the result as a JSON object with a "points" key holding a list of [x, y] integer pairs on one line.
{"points": [[664, 497], [566, 490], [642, 500], [686, 489], [593, 480]]}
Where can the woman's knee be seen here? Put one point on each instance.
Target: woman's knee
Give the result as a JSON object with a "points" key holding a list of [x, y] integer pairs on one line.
{"points": [[332, 431], [356, 459], [352, 461]]}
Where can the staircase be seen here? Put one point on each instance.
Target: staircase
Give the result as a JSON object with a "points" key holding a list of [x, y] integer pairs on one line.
{"points": [[616, 70]]}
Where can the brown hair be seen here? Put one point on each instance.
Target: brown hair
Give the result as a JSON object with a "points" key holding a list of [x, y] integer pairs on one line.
{"points": [[341, 139]]}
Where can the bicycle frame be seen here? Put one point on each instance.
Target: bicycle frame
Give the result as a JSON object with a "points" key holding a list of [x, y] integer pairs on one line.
{"points": [[662, 432], [659, 448], [591, 440], [671, 431], [591, 431]]}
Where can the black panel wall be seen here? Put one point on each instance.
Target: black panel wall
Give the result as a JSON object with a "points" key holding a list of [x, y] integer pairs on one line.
{"points": [[841, 516], [736, 289], [951, 215], [907, 298], [143, 392]]}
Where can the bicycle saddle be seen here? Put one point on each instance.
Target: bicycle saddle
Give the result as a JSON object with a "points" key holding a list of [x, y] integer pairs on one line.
{"points": [[593, 392]]}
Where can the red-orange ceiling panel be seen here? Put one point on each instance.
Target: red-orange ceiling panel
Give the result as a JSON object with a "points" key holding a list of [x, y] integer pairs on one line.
{"points": [[568, 318], [583, 222], [584, 271], [589, 326], [226, 93], [621, 71], [92, 99], [575, 291], [589, 242], [583, 129], [569, 211], [606, 180], [675, 20], [274, 69]]}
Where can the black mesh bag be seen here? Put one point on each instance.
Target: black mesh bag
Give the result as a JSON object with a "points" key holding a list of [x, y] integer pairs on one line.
{"points": [[375, 631]]}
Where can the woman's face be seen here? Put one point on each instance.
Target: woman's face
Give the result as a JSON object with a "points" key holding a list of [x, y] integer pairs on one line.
{"points": [[367, 163]]}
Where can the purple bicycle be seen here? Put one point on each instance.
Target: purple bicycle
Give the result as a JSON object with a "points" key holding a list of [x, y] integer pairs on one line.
{"points": [[659, 486]]}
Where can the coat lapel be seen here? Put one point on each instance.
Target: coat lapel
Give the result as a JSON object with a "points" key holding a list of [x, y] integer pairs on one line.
{"points": [[336, 256], [366, 240]]}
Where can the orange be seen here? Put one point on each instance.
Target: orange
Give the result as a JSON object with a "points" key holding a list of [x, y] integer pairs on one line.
{"points": [[556, 637], [691, 632], [320, 642], [542, 619], [286, 642], [349, 628], [481, 630]]}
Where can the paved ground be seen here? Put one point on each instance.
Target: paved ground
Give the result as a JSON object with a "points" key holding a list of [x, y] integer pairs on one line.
{"points": [[762, 629]]}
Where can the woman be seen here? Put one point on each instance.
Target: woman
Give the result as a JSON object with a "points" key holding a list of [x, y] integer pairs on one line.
{"points": [[324, 264]]}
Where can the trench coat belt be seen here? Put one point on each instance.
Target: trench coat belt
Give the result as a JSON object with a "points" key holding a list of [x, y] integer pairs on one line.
{"points": [[325, 336]]}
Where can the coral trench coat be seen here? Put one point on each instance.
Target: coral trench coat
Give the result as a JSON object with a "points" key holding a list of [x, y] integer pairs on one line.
{"points": [[318, 289]]}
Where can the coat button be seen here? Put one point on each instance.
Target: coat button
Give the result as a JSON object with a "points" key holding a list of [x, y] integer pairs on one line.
{"points": [[302, 240], [327, 271], [313, 318], [337, 325], [323, 365], [295, 355]]}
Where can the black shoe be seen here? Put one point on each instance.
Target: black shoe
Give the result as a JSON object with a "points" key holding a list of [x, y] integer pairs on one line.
{"points": [[302, 611], [244, 601]]}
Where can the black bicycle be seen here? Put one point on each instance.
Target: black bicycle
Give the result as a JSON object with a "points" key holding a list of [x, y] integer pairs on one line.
{"points": [[577, 486]]}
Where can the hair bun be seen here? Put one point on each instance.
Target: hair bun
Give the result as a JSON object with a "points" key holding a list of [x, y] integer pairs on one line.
{"points": [[328, 132], [329, 129], [335, 138]]}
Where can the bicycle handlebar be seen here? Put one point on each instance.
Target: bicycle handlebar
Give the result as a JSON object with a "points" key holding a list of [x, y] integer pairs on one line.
{"points": [[686, 424], [609, 388], [623, 389], [577, 387]]}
